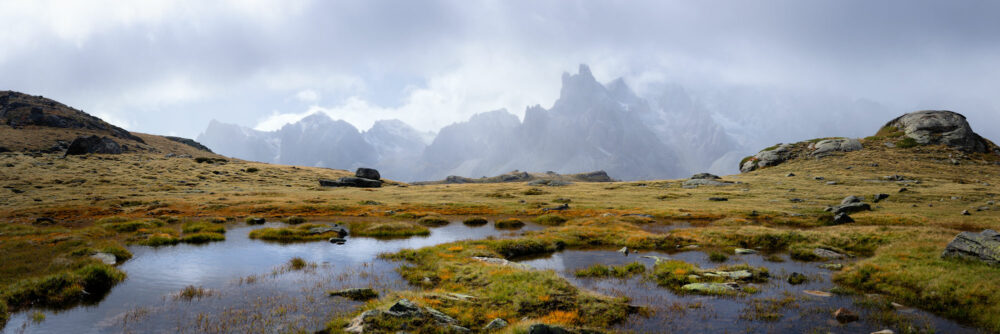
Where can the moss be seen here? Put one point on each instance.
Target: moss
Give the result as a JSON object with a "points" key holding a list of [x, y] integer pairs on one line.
{"points": [[509, 223], [623, 271], [550, 220], [907, 142], [433, 221], [202, 237]]}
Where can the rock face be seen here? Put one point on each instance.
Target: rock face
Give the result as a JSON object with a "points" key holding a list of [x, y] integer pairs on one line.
{"points": [[19, 110], [828, 146], [931, 127], [350, 181], [983, 246], [93, 144]]}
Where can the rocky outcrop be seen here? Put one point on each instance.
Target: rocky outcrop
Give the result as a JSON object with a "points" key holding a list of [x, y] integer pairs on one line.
{"points": [[189, 142], [772, 156], [983, 246], [817, 148], [94, 144], [19, 110], [406, 315], [350, 181], [933, 127], [368, 173], [548, 178], [827, 147]]}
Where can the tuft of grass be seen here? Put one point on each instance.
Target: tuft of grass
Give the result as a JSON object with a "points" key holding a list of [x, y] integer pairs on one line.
{"points": [[294, 220], [127, 226], [475, 221], [297, 263], [37, 317], [160, 239], [433, 221], [907, 142], [550, 220], [195, 227], [509, 223], [387, 229], [64, 289], [717, 257], [291, 233], [202, 237], [623, 271], [192, 292]]}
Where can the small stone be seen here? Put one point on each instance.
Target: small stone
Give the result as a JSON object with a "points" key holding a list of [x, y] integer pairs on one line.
{"points": [[817, 293], [495, 325], [990, 203], [718, 199], [624, 250], [339, 241], [903, 190], [827, 254], [842, 218], [831, 183], [743, 251], [850, 199], [966, 213], [819, 178], [844, 315], [256, 221], [880, 197], [884, 331], [790, 174]]}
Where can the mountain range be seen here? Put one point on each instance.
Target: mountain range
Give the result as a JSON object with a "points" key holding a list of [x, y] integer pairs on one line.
{"points": [[668, 132]]}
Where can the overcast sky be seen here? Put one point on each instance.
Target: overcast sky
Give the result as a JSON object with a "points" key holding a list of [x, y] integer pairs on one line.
{"points": [[168, 67]]}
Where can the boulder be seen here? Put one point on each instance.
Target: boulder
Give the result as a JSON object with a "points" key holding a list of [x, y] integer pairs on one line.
{"points": [[705, 176], [350, 181], [767, 158], [829, 146], [367, 173], [851, 208], [842, 218], [624, 250], [93, 144], [983, 247], [404, 308], [850, 199], [827, 254], [256, 221], [844, 315], [933, 127], [355, 293], [879, 197], [561, 207]]}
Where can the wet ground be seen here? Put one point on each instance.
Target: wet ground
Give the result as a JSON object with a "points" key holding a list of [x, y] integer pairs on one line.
{"points": [[251, 290], [779, 307]]}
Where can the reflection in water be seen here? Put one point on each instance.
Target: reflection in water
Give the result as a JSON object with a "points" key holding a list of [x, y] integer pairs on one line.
{"points": [[247, 296], [705, 314]]}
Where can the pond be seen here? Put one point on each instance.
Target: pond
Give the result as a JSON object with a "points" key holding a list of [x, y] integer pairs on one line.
{"points": [[250, 288]]}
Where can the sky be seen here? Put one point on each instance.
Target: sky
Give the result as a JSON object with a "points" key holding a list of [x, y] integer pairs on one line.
{"points": [[169, 67]]}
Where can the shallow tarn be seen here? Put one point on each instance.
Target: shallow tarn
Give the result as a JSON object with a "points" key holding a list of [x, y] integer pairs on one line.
{"points": [[250, 289]]}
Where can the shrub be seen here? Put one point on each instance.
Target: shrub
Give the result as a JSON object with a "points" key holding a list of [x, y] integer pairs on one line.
{"points": [[160, 239], [387, 229], [297, 263], [252, 170]]}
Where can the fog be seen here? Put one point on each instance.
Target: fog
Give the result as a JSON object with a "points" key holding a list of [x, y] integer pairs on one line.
{"points": [[763, 72]]}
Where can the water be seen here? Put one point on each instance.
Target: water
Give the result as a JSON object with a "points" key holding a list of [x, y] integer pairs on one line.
{"points": [[277, 299], [706, 314]]}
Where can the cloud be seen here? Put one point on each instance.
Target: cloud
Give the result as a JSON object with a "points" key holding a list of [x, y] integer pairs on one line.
{"points": [[307, 96]]}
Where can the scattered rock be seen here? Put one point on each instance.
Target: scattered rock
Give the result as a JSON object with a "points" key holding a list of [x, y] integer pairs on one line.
{"points": [[495, 325], [743, 251], [790, 174], [404, 308], [903, 190], [107, 258], [560, 207], [831, 183], [341, 232], [827, 254], [796, 200], [767, 158], [966, 213], [797, 278], [879, 197], [851, 208], [368, 173], [819, 178], [44, 221], [718, 199], [842, 218], [705, 176], [844, 315], [256, 221], [498, 261], [983, 246], [884, 331], [355, 293], [339, 241], [360, 323], [710, 288], [850, 199], [817, 293], [624, 250], [694, 183], [547, 329], [349, 181], [829, 146], [93, 144], [832, 266]]}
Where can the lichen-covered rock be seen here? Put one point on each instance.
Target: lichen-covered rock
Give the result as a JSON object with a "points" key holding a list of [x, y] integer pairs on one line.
{"points": [[983, 246], [93, 144], [931, 127], [829, 146], [710, 288], [767, 158]]}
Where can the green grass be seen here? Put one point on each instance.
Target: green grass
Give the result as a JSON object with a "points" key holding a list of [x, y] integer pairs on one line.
{"points": [[387, 229], [64, 289], [294, 220], [717, 257], [192, 292], [128, 226], [37, 317], [160, 239], [509, 223], [623, 271], [907, 142], [297, 263], [291, 233]]}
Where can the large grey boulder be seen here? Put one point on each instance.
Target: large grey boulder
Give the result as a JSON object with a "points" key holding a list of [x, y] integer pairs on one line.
{"points": [[983, 246], [932, 127], [851, 208], [368, 173], [829, 146], [93, 144], [767, 158]]}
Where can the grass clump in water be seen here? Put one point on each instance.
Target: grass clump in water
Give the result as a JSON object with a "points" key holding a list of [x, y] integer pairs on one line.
{"points": [[433, 221], [387, 229], [623, 271], [195, 227], [192, 292], [202, 237], [717, 257], [550, 220], [510, 223], [127, 226], [64, 289], [294, 220], [292, 233], [475, 221]]}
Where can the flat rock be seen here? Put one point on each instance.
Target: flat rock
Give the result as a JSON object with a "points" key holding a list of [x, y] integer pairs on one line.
{"points": [[827, 254], [850, 199], [829, 146], [107, 258], [851, 208], [355, 293], [495, 324], [710, 288], [983, 247], [817, 293]]}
